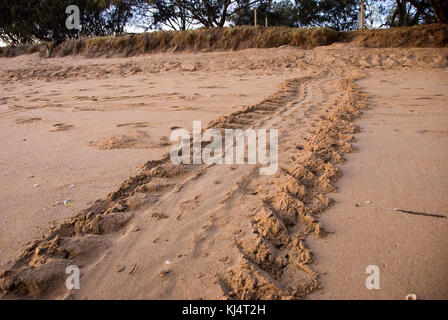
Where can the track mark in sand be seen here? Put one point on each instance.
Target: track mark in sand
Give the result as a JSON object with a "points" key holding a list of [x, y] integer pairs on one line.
{"points": [[133, 124], [158, 215], [434, 132], [212, 87], [186, 108], [61, 127], [39, 269], [274, 261], [265, 254], [27, 120], [189, 205]]}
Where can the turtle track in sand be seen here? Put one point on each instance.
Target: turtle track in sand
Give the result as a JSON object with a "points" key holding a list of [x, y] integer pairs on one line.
{"points": [[315, 114]]}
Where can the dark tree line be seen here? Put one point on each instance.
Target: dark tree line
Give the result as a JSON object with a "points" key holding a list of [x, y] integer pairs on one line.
{"points": [[412, 12], [28, 21], [341, 14]]}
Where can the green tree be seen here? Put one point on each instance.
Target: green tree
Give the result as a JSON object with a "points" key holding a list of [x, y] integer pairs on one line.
{"points": [[244, 15], [214, 13], [28, 21], [413, 12], [156, 14], [339, 14]]}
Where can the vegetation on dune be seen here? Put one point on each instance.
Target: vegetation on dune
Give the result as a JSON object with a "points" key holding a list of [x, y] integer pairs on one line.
{"points": [[434, 35]]}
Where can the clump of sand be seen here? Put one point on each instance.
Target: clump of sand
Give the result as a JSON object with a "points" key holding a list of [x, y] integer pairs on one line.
{"points": [[136, 139]]}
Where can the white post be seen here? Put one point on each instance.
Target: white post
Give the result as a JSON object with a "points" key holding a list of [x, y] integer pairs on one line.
{"points": [[361, 15], [255, 17]]}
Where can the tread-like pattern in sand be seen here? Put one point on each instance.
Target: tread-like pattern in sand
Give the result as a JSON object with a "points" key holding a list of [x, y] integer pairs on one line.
{"points": [[274, 260], [267, 255]]}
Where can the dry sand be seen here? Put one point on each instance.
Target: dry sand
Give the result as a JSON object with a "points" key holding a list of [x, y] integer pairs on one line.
{"points": [[92, 123], [401, 163], [223, 231]]}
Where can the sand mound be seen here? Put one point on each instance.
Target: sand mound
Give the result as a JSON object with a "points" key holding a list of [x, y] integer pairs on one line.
{"points": [[137, 139]]}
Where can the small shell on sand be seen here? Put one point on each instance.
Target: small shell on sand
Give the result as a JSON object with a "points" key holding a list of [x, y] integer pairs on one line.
{"points": [[411, 296]]}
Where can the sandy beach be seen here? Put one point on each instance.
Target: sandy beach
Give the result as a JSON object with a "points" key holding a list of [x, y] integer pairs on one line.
{"points": [[362, 132], [400, 163]]}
